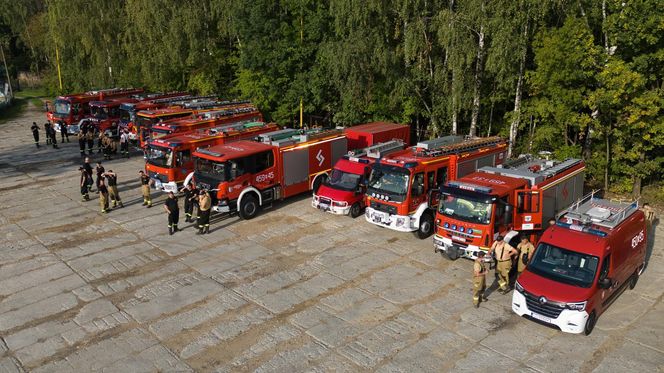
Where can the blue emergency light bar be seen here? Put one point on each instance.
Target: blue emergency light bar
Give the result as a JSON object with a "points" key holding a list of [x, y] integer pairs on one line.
{"points": [[581, 228], [208, 152], [471, 187]]}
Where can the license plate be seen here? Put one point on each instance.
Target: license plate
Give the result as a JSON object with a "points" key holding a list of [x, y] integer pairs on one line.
{"points": [[157, 184], [378, 218], [540, 317], [459, 238], [323, 206]]}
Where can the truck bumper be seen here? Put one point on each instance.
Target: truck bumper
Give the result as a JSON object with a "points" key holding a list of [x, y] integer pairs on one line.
{"points": [[331, 208], [569, 321], [454, 250], [399, 223], [171, 186]]}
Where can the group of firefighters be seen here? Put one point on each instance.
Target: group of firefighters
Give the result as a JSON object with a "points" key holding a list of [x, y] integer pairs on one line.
{"points": [[49, 132]]}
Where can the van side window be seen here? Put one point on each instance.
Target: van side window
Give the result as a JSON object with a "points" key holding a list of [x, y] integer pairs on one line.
{"points": [[604, 271]]}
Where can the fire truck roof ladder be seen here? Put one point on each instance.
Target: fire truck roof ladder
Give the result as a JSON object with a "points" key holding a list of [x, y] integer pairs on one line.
{"points": [[597, 211], [455, 144], [378, 150], [232, 127], [287, 137]]}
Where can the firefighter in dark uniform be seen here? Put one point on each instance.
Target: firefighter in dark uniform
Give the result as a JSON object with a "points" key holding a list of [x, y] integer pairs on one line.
{"points": [[90, 137], [204, 206], [145, 189], [173, 211], [35, 133], [81, 143], [103, 196], [54, 140], [112, 181], [88, 170], [47, 132], [63, 132], [84, 183], [100, 172], [479, 279], [187, 193], [504, 253]]}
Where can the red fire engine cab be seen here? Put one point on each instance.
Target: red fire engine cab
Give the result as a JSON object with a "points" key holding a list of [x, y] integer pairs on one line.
{"points": [[248, 175], [343, 192], [398, 190], [596, 249], [207, 119], [72, 108], [516, 197], [169, 159]]}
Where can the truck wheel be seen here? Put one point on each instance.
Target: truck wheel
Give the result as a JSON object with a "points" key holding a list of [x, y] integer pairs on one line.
{"points": [[590, 324], [248, 207], [355, 210], [426, 226]]}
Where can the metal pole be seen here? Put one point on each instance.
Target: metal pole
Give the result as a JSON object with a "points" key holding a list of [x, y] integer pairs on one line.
{"points": [[302, 43], [9, 81], [57, 61]]}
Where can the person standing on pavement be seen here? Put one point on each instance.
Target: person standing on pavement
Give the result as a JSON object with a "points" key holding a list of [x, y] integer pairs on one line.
{"points": [[54, 139], [188, 203], [63, 132], [103, 196], [100, 172], [124, 144], [47, 132], [88, 170], [145, 189], [479, 279], [35, 133], [90, 138], [81, 143], [204, 205], [112, 181], [650, 214], [526, 251], [504, 253], [173, 211], [84, 184]]}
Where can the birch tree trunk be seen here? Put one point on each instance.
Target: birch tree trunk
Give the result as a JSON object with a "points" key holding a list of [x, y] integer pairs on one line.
{"points": [[479, 67], [516, 117]]}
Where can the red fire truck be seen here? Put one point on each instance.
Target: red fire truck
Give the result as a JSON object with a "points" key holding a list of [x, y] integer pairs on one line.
{"points": [[596, 249], [207, 119], [343, 192], [169, 159], [128, 110], [181, 109], [72, 108], [517, 197], [248, 175], [398, 192]]}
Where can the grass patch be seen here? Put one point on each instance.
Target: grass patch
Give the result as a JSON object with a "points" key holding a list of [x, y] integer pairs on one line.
{"points": [[21, 99]]}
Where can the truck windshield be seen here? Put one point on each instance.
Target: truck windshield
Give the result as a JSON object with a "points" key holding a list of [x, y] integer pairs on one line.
{"points": [[211, 169], [99, 112], [466, 209], [62, 107], [343, 180], [564, 266], [389, 180], [159, 156]]}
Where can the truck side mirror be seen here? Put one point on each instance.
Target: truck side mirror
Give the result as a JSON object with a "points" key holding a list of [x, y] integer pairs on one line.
{"points": [[605, 283]]}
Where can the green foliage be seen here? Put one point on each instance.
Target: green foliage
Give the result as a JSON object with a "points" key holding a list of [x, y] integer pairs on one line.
{"points": [[591, 75]]}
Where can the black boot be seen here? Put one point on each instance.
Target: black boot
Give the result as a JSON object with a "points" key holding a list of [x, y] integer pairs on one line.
{"points": [[207, 229], [200, 230], [170, 231], [175, 228]]}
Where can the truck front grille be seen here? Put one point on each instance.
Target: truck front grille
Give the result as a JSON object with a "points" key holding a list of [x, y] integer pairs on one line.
{"points": [[547, 309], [383, 207]]}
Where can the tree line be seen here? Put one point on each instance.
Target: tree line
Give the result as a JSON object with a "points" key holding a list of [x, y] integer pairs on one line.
{"points": [[578, 78]]}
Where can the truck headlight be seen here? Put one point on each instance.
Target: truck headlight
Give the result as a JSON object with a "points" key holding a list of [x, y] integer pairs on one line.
{"points": [[577, 306], [518, 287], [340, 204]]}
